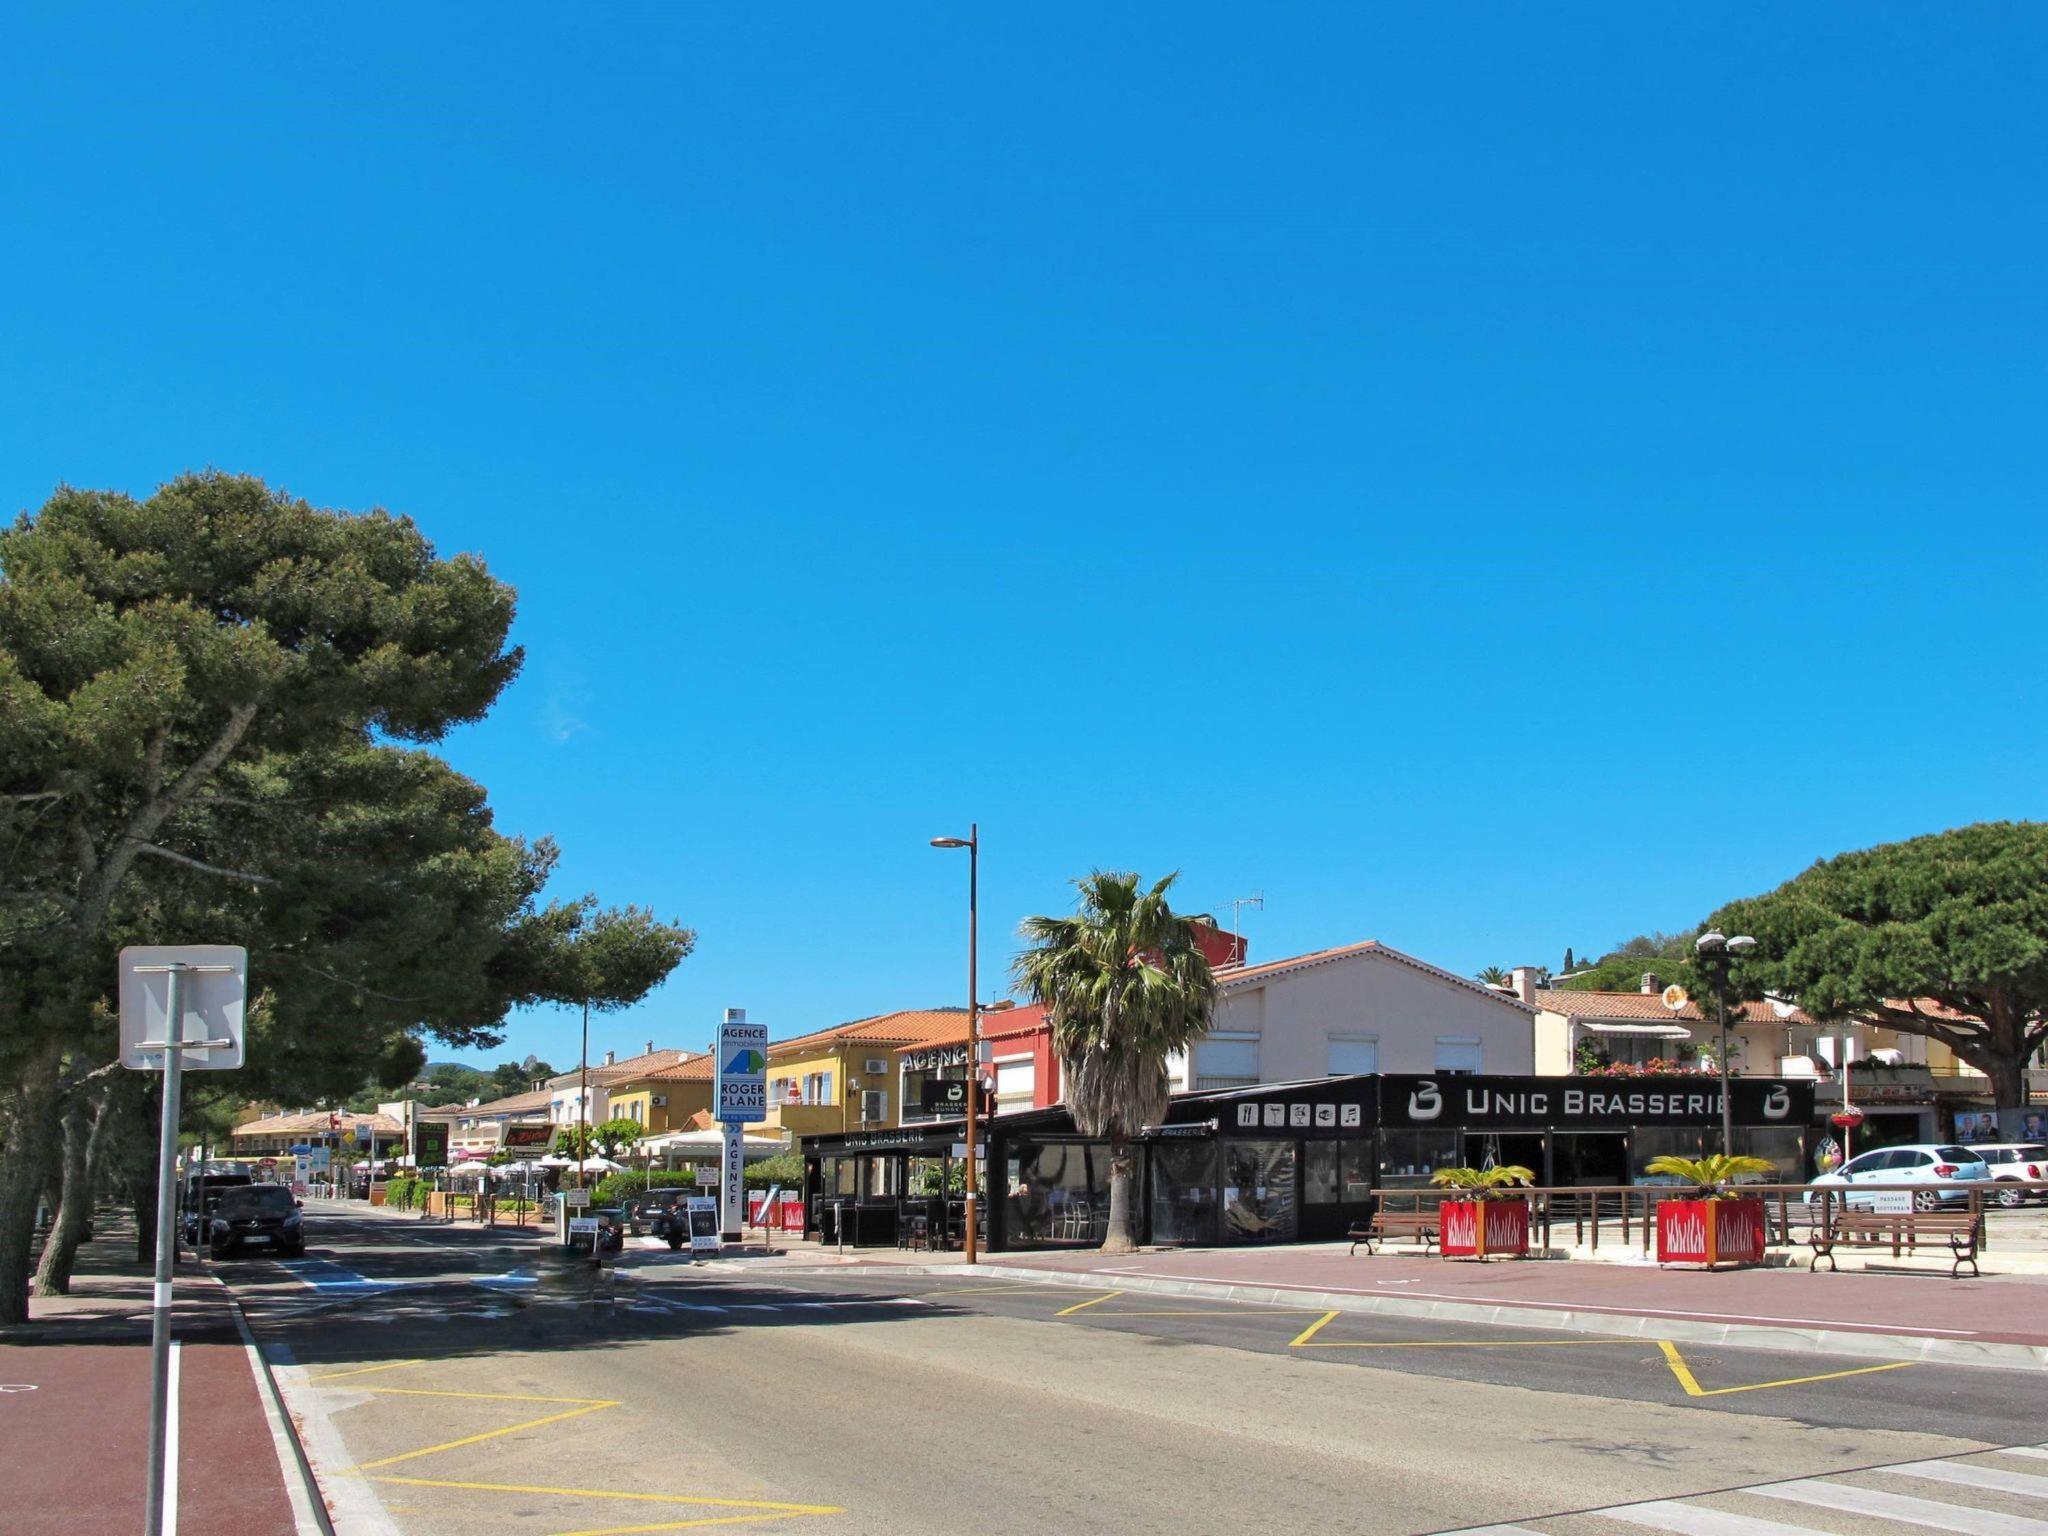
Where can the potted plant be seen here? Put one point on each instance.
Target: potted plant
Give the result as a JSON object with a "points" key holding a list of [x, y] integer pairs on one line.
{"points": [[1484, 1221], [1717, 1225]]}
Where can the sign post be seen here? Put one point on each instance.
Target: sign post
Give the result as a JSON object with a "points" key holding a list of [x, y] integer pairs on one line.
{"points": [[739, 1099], [162, 987]]}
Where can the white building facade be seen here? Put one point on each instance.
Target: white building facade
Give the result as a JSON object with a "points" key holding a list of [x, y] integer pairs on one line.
{"points": [[1360, 1008]]}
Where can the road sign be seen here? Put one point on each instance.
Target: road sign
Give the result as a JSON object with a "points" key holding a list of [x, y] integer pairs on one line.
{"points": [[213, 982], [742, 1064], [576, 1199], [707, 1177]]}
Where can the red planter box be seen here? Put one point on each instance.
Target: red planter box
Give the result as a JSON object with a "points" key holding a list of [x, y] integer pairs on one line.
{"points": [[1482, 1229], [1710, 1232]]}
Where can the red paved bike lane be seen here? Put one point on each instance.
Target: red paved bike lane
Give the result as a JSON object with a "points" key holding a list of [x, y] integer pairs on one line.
{"points": [[74, 1418]]}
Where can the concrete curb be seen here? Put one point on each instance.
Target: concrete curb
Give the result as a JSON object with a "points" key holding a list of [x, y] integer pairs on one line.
{"points": [[1733, 1335]]}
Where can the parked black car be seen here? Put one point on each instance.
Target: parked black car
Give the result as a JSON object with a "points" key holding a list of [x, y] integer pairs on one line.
{"points": [[201, 1200], [664, 1215], [257, 1216]]}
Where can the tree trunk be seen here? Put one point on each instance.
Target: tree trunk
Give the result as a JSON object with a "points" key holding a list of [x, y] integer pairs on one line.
{"points": [[2008, 1074], [1119, 1238], [84, 1133], [31, 1127]]}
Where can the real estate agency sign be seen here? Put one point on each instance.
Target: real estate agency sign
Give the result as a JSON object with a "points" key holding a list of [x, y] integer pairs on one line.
{"points": [[742, 1090]]}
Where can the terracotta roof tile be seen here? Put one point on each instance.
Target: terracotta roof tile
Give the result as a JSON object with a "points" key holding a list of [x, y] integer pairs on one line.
{"points": [[698, 1069], [1648, 1005], [906, 1026]]}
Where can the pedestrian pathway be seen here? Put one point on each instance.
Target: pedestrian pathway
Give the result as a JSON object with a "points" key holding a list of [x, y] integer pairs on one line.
{"points": [[1995, 1493]]}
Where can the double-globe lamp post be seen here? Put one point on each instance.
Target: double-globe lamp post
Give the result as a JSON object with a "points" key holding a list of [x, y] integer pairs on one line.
{"points": [[1714, 951], [972, 843]]}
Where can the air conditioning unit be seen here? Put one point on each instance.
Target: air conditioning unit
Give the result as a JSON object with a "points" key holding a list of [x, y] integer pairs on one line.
{"points": [[659, 1100], [874, 1066], [873, 1105]]}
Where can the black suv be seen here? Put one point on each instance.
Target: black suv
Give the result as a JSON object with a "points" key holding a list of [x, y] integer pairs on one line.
{"points": [[257, 1216], [665, 1216], [202, 1199]]}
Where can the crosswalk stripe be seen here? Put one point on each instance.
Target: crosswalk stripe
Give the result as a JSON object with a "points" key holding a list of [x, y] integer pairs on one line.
{"points": [[1897, 1506], [1698, 1520], [2038, 1451], [1967, 1474], [1493, 1530]]}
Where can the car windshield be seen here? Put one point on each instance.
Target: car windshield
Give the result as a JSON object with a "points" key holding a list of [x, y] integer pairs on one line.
{"points": [[1957, 1155], [260, 1200]]}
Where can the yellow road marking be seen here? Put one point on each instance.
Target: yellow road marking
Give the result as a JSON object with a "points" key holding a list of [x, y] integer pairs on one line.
{"points": [[1083, 1306], [674, 1525], [364, 1370], [1311, 1330], [771, 1506], [1220, 1312], [489, 1434], [995, 1289], [1473, 1343], [1692, 1386], [490, 1397]]}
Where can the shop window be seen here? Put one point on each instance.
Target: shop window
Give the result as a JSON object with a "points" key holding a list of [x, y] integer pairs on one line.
{"points": [[1353, 1055], [1648, 1143], [1783, 1146], [1409, 1158], [1457, 1055], [1355, 1171], [1259, 1192], [1184, 1191], [1319, 1173], [1058, 1195], [1226, 1063]]}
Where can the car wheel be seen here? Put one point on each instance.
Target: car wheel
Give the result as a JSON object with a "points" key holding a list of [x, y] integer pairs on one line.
{"points": [[1926, 1199], [2011, 1199]]}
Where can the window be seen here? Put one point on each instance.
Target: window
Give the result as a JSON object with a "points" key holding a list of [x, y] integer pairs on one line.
{"points": [[1352, 1055], [1319, 1181], [1457, 1054], [1258, 1192], [874, 1105], [1184, 1192], [1408, 1158], [1016, 1084], [1226, 1063]]}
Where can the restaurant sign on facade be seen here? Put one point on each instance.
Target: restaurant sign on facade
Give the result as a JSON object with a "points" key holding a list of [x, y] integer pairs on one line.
{"points": [[1461, 1101]]}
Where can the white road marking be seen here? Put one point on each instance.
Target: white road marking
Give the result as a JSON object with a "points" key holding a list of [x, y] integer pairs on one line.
{"points": [[1852, 1500], [1697, 1520], [171, 1436], [1966, 1474], [2038, 1451]]}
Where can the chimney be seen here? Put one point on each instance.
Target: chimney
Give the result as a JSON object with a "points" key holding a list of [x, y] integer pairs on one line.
{"points": [[1652, 984], [650, 1047], [608, 1057], [1524, 977]]}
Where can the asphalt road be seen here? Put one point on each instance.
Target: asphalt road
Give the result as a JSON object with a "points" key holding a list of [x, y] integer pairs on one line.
{"points": [[453, 1382]]}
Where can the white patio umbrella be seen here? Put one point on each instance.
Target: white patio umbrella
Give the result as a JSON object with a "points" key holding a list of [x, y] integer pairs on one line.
{"points": [[599, 1165]]}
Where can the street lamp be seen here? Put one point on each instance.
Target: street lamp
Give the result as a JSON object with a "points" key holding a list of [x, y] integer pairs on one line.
{"points": [[972, 843], [1714, 951]]}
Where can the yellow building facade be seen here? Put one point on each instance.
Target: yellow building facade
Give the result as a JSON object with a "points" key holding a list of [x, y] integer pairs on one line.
{"points": [[847, 1078]]}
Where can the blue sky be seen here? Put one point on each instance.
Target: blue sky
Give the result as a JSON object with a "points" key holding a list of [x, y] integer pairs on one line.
{"points": [[1492, 478]]}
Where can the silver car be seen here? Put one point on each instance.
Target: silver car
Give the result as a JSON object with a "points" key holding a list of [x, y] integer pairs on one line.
{"points": [[1945, 1169]]}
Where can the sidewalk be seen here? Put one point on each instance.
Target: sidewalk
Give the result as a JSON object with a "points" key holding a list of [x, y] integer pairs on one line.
{"points": [[74, 1404]]}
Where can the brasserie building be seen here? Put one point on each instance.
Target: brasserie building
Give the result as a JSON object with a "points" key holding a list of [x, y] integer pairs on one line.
{"points": [[1284, 1162]]}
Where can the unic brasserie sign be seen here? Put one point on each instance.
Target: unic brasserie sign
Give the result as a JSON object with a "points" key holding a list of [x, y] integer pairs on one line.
{"points": [[1588, 1103]]}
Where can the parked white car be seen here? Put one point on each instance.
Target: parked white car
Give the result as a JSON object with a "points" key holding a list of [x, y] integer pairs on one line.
{"points": [[2014, 1162], [1945, 1169]]}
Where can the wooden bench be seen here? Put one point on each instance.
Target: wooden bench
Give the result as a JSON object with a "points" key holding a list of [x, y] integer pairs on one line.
{"points": [[1388, 1225], [1900, 1231]]}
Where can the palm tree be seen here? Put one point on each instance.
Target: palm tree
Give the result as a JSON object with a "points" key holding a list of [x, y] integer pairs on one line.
{"points": [[1125, 985], [1494, 976]]}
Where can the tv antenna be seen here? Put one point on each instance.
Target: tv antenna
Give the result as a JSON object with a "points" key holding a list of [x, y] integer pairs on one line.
{"points": [[1256, 899]]}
